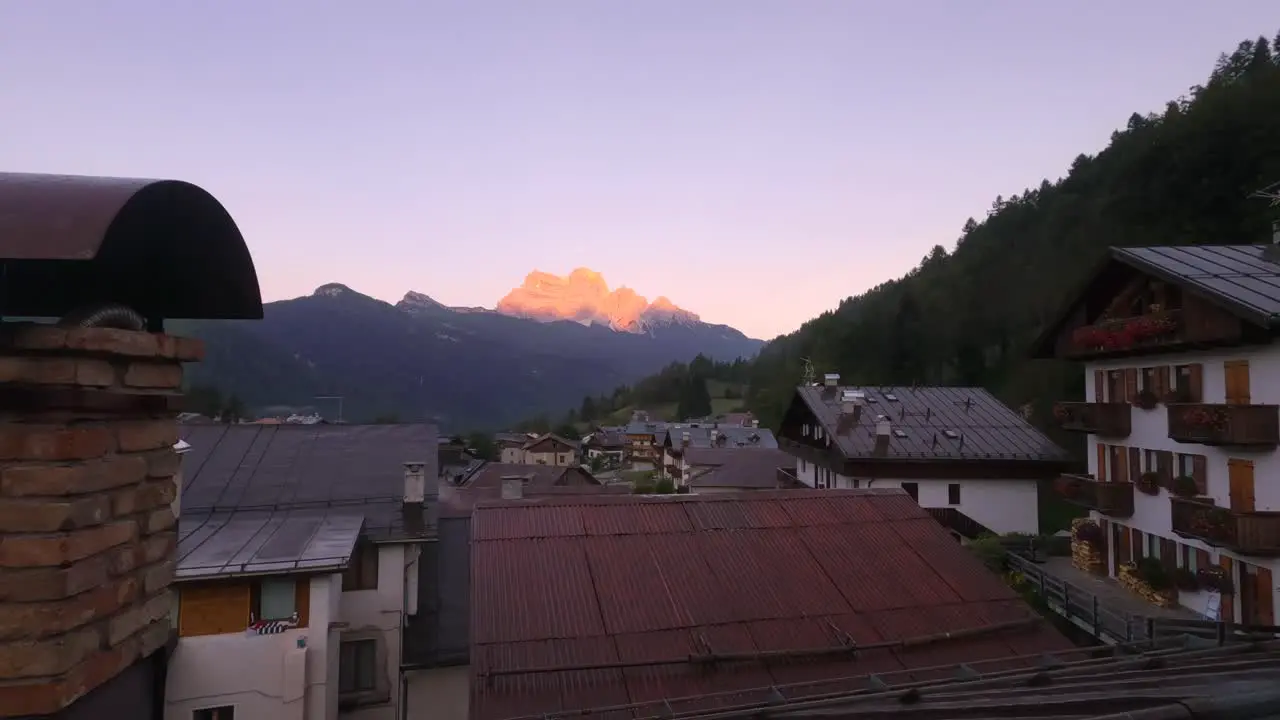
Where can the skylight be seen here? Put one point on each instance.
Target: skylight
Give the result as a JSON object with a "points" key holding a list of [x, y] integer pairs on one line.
{"points": [[899, 433], [891, 397], [951, 434]]}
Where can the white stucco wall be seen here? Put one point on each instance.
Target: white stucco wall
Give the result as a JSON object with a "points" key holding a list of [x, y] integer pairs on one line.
{"points": [[1003, 506], [1151, 513], [438, 693], [380, 613], [267, 676]]}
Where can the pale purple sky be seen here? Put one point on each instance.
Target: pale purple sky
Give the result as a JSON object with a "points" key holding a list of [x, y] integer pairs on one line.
{"points": [[755, 161]]}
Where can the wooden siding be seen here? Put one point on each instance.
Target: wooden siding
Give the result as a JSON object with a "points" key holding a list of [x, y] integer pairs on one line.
{"points": [[222, 607]]}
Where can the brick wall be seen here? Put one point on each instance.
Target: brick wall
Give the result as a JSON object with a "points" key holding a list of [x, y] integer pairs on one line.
{"points": [[87, 537]]}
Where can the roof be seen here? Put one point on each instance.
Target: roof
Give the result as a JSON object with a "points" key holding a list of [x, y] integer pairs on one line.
{"points": [[511, 438], [582, 602], [1238, 278], [1174, 678], [69, 241], [753, 468], [549, 438], [332, 469], [257, 541], [486, 484], [607, 439], [700, 436], [933, 423], [646, 428]]}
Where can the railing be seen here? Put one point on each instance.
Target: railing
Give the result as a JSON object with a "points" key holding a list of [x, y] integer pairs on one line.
{"points": [[1109, 498], [786, 478], [1106, 419], [1238, 425], [1129, 334], [1084, 608], [953, 519], [1247, 533]]}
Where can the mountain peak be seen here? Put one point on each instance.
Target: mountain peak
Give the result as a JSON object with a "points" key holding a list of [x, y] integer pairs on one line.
{"points": [[584, 296], [333, 290]]}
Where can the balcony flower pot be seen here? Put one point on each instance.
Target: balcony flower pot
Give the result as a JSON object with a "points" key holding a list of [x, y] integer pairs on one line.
{"points": [[1215, 578], [1177, 395], [1146, 400], [1184, 486], [1206, 419], [1148, 483], [1185, 580], [1123, 333]]}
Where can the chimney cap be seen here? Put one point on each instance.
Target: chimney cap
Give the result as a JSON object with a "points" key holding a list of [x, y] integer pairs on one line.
{"points": [[414, 464], [831, 379]]}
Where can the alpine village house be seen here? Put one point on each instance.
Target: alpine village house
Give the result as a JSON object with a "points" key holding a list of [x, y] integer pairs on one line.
{"points": [[1182, 381], [967, 458]]}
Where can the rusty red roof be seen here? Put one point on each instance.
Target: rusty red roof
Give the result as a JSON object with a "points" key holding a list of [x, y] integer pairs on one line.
{"points": [[594, 601]]}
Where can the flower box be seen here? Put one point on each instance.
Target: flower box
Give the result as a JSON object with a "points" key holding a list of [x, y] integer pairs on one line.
{"points": [[1148, 483], [1146, 400]]}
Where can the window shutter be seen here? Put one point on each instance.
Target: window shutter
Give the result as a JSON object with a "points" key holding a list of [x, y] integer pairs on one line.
{"points": [[1130, 384], [1195, 376], [1135, 463], [1102, 462], [1119, 468], [1164, 464], [1099, 383], [1200, 473], [1162, 382], [1168, 553]]}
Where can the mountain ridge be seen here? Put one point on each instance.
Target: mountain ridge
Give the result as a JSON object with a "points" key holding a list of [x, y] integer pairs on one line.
{"points": [[584, 296]]}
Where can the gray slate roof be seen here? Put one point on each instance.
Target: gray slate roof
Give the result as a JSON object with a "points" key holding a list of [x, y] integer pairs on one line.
{"points": [[1238, 276], [745, 468], [934, 423], [263, 541], [340, 470], [735, 436]]}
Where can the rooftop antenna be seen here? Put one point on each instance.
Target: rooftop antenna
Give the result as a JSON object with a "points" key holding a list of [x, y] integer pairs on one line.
{"points": [[807, 373], [1271, 193]]}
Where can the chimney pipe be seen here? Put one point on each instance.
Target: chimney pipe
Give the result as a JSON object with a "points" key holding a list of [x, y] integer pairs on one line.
{"points": [[755, 423], [884, 431], [684, 439], [415, 483], [512, 487]]}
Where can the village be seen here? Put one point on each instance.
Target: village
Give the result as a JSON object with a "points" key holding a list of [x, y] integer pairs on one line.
{"points": [[883, 540]]}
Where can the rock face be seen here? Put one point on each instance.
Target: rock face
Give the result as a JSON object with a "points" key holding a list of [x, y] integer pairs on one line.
{"points": [[585, 297]]}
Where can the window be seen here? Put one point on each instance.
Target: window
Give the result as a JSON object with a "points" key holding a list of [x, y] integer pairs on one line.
{"points": [[912, 489], [953, 494], [362, 573], [1153, 546], [1186, 464], [274, 598], [225, 712], [1150, 461], [1149, 379], [357, 666]]}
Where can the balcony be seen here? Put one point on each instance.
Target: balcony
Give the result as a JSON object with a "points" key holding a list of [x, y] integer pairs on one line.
{"points": [[1108, 498], [1235, 425], [1246, 533], [1155, 332], [1105, 419]]}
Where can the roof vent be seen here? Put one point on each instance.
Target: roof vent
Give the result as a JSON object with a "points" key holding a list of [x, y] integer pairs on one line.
{"points": [[891, 397], [951, 434], [899, 433]]}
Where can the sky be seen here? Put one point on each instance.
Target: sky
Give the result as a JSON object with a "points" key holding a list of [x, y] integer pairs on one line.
{"points": [[756, 161]]}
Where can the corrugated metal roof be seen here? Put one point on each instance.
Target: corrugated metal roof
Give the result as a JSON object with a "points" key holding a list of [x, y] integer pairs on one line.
{"points": [[1239, 276], [656, 579], [344, 469], [932, 423], [265, 542]]}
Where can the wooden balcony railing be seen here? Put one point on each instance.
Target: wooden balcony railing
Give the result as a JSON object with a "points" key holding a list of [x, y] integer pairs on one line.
{"points": [[786, 478], [1240, 425], [962, 524], [1106, 419], [1247, 533], [1108, 498], [1162, 331]]}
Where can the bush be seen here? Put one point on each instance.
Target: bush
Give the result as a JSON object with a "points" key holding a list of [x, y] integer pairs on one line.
{"points": [[990, 551], [665, 486], [1185, 580], [1184, 486], [1154, 574]]}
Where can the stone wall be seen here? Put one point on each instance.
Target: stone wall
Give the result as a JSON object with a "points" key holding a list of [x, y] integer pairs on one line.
{"points": [[87, 537]]}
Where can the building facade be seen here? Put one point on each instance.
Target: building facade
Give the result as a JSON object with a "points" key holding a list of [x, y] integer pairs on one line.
{"points": [[947, 447], [1182, 386]]}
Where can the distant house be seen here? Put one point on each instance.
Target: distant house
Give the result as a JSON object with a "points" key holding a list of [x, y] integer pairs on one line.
{"points": [[511, 446], [551, 450], [609, 445], [682, 436], [947, 447], [759, 592], [644, 443], [297, 562], [718, 470]]}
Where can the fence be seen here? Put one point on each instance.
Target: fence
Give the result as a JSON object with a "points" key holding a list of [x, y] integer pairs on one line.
{"points": [[1085, 608]]}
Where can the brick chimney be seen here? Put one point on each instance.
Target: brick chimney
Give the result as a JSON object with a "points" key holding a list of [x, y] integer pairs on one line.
{"points": [[87, 534]]}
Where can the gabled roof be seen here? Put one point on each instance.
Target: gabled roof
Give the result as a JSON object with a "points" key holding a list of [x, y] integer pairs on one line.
{"points": [[265, 542], [330, 469], [931, 423], [1240, 279], [746, 468], [588, 602], [549, 438], [733, 436]]}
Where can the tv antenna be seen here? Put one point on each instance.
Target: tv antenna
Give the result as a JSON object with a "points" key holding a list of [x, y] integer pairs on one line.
{"points": [[807, 373], [1270, 192]]}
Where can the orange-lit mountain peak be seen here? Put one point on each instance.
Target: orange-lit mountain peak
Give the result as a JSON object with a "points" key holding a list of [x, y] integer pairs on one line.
{"points": [[584, 296]]}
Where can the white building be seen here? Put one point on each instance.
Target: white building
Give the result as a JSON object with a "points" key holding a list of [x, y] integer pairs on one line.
{"points": [[299, 569], [1182, 383], [958, 451]]}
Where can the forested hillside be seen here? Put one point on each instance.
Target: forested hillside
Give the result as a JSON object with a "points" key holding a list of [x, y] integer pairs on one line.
{"points": [[966, 316]]}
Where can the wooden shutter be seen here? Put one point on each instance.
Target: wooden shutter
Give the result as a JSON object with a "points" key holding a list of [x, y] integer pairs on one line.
{"points": [[1102, 462], [1164, 464], [1168, 553], [1099, 386], [1130, 384], [1135, 542], [1240, 477], [1126, 549], [1228, 601], [1135, 463], [1195, 379], [1202, 559], [213, 609], [1200, 473], [1236, 377], [302, 599], [1119, 468], [1264, 596], [1162, 382]]}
